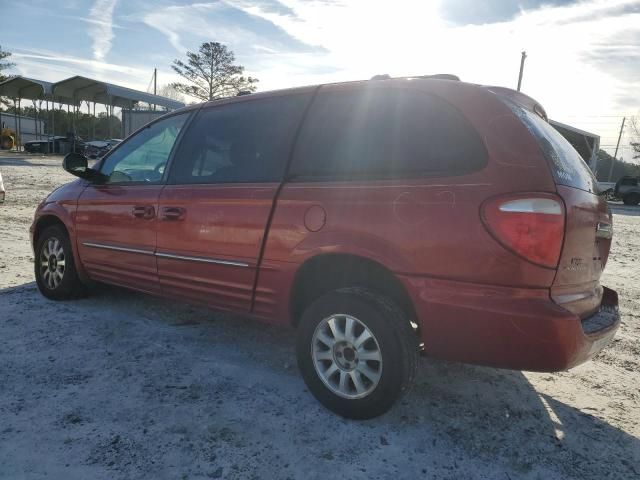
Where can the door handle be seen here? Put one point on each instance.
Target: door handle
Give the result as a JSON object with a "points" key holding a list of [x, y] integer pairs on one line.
{"points": [[173, 213], [144, 211]]}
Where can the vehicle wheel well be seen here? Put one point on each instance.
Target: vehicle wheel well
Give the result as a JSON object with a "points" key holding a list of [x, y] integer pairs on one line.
{"points": [[45, 222], [327, 272]]}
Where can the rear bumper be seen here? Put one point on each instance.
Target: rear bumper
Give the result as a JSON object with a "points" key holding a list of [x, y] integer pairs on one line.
{"points": [[517, 328]]}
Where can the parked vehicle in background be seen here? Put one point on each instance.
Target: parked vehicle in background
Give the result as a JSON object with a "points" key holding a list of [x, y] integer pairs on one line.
{"points": [[382, 219], [606, 189], [55, 144], [628, 190], [47, 145]]}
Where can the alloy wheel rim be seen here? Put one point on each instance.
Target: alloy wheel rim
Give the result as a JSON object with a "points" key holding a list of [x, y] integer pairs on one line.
{"points": [[346, 356], [52, 263]]}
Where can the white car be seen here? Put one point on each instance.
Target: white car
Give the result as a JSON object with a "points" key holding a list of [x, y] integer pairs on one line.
{"points": [[1, 190]]}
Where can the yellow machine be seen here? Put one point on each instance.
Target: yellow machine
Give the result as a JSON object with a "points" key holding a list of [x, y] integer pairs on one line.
{"points": [[7, 139]]}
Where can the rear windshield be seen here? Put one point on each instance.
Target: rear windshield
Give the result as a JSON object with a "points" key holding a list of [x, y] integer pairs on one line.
{"points": [[566, 164]]}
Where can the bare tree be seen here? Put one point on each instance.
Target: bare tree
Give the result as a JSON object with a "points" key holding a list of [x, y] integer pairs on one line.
{"points": [[211, 73], [169, 91]]}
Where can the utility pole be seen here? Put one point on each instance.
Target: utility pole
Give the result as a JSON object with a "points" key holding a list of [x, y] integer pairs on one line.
{"points": [[155, 85], [524, 55], [615, 155]]}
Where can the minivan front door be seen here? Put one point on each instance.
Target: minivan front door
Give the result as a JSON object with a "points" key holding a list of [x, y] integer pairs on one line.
{"points": [[214, 211], [116, 220]]}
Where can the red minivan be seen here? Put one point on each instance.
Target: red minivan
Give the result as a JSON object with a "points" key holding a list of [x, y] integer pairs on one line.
{"points": [[383, 219]]}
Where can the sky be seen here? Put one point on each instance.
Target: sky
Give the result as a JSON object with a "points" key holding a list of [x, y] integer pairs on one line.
{"points": [[583, 56]]}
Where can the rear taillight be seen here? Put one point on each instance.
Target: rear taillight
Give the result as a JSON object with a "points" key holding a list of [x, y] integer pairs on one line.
{"points": [[530, 225]]}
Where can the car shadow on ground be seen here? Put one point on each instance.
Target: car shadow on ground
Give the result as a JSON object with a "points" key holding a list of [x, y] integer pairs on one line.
{"points": [[454, 415]]}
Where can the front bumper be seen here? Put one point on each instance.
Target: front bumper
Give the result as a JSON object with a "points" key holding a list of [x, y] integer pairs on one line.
{"points": [[517, 328]]}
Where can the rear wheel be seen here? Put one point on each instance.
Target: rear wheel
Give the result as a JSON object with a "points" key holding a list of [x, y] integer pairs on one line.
{"points": [[55, 269], [357, 352], [631, 199]]}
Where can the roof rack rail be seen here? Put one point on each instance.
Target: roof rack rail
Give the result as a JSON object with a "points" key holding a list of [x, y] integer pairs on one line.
{"points": [[384, 76], [442, 76], [243, 92]]}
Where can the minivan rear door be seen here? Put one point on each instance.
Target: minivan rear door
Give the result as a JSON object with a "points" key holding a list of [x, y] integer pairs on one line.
{"points": [[589, 226]]}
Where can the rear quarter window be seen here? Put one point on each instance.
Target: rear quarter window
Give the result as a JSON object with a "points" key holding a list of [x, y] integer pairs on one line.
{"points": [[382, 134], [566, 165]]}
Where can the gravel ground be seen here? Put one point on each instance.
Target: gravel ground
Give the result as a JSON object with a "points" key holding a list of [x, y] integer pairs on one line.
{"points": [[122, 386]]}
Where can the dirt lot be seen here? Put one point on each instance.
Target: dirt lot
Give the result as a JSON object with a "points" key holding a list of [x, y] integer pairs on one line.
{"points": [[122, 385]]}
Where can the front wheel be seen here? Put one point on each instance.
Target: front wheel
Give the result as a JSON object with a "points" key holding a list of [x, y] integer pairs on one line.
{"points": [[54, 266], [357, 352]]}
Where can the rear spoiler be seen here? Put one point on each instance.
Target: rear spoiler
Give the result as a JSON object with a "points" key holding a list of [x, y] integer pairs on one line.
{"points": [[525, 101]]}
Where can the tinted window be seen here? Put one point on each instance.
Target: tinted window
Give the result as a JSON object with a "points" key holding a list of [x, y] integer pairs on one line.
{"points": [[142, 158], [567, 165], [241, 142], [385, 134], [629, 181]]}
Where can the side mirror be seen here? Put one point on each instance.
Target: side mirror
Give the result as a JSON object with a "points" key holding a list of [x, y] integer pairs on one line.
{"points": [[76, 164]]}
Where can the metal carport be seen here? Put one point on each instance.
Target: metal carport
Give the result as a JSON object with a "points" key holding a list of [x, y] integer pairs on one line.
{"points": [[94, 91], [586, 144], [75, 90], [18, 88]]}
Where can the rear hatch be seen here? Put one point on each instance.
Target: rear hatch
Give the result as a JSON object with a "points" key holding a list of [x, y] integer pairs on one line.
{"points": [[588, 227]]}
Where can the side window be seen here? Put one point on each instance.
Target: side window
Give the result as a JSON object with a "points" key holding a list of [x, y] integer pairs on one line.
{"points": [[371, 133], [242, 142], [143, 157]]}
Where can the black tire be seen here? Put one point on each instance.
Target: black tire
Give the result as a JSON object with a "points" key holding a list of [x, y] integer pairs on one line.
{"points": [[397, 343], [631, 199], [70, 286]]}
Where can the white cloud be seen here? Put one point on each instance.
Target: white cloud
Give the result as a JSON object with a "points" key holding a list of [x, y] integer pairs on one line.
{"points": [[407, 37], [172, 21], [101, 27], [580, 57], [89, 63], [34, 63]]}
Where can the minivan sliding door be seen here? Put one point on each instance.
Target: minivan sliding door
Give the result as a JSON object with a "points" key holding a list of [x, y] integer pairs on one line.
{"points": [[214, 211]]}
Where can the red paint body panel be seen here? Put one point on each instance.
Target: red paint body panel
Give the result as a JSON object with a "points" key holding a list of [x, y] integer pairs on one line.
{"points": [[61, 204], [518, 328], [105, 216], [475, 300], [223, 222], [272, 299], [584, 256], [400, 225]]}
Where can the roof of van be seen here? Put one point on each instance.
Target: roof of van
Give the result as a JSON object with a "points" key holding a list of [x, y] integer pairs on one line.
{"points": [[307, 88], [514, 95]]}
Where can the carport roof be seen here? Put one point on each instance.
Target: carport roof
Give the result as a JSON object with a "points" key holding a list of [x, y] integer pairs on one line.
{"points": [[29, 88], [74, 90], [87, 89]]}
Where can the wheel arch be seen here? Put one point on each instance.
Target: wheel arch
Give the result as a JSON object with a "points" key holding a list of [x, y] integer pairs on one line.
{"points": [[49, 219], [44, 222], [330, 271]]}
